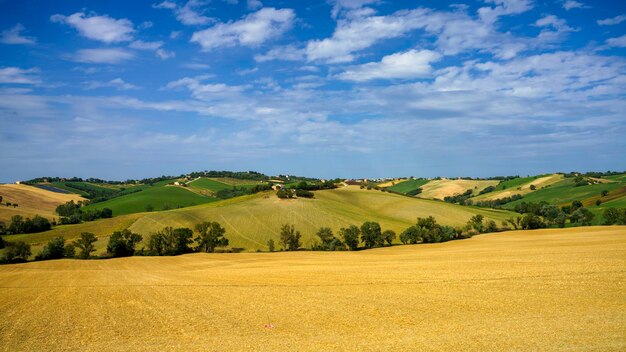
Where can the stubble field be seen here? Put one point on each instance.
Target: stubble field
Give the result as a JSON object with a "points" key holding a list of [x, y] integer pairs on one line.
{"points": [[541, 290]]}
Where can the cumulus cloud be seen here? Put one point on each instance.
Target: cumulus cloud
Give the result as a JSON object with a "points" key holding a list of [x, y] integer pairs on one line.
{"points": [[254, 4], [612, 21], [617, 42], [19, 76], [286, 53], [205, 91], [503, 8], [190, 14], [14, 36], [101, 28], [254, 29], [116, 83], [103, 56], [573, 4], [406, 65], [141, 45]]}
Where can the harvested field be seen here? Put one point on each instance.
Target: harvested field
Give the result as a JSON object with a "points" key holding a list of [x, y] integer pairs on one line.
{"points": [[439, 189], [541, 290], [31, 201]]}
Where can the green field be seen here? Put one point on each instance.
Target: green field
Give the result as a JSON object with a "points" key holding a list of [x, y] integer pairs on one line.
{"points": [[564, 192], [159, 197], [408, 185], [514, 183], [207, 184]]}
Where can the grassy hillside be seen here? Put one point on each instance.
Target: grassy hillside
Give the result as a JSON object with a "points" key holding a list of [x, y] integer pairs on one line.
{"points": [[439, 189], [31, 201], [251, 221], [158, 196], [408, 185], [207, 186], [564, 192], [520, 186], [538, 290]]}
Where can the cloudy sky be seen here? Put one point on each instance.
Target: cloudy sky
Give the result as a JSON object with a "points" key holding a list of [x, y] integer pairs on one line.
{"points": [[350, 88]]}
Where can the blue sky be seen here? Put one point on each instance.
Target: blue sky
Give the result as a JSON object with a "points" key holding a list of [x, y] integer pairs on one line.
{"points": [[343, 88]]}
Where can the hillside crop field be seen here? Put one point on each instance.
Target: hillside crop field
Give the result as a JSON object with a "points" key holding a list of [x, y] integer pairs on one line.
{"points": [[520, 186], [515, 291], [439, 189], [157, 196], [31, 201], [250, 221], [407, 186]]}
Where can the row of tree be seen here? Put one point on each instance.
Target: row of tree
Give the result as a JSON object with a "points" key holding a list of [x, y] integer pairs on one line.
{"points": [[19, 224]]}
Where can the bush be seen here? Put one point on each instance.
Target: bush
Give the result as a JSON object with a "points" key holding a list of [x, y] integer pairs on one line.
{"points": [[614, 216], [304, 193], [532, 222]]}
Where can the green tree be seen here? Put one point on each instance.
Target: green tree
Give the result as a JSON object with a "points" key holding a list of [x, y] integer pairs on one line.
{"points": [[371, 234], [613, 216], [55, 249], [122, 243], [411, 235], [389, 236], [350, 236], [289, 238], [149, 208], [86, 244], [16, 252], [183, 238], [583, 215], [210, 236], [271, 245], [531, 222], [476, 222]]}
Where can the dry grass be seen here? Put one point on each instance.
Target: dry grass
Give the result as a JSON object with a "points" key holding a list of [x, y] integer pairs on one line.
{"points": [[31, 201], [439, 189], [541, 290]]}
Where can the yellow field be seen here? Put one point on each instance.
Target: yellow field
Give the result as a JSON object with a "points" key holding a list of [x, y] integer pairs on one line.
{"points": [[523, 189], [439, 189], [31, 201], [523, 291]]}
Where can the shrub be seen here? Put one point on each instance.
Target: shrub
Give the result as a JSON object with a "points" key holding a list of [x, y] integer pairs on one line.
{"points": [[304, 193]]}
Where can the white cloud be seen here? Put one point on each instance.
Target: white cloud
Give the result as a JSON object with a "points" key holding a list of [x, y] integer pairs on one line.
{"points": [[406, 65], [103, 56], [612, 21], [175, 34], [617, 42], [19, 76], [164, 54], [572, 4], [207, 92], [13, 36], [189, 14], [254, 29], [287, 53], [254, 4], [349, 7], [146, 25], [165, 5], [101, 28], [503, 8], [141, 45], [116, 83], [358, 34]]}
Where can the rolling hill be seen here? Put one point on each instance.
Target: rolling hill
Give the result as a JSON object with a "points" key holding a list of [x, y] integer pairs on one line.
{"points": [[31, 201], [520, 185], [439, 189], [250, 221]]}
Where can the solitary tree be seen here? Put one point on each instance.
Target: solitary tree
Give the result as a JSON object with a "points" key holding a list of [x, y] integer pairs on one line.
{"points": [[371, 234], [350, 236], [210, 236], [271, 245], [289, 238], [122, 243]]}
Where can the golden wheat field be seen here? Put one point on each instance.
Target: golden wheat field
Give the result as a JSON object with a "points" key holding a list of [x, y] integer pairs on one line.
{"points": [[541, 290]]}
